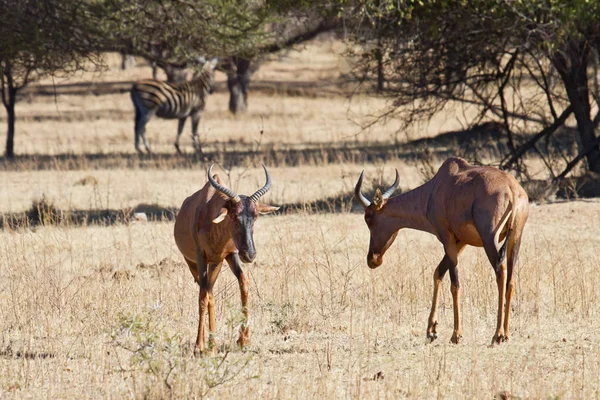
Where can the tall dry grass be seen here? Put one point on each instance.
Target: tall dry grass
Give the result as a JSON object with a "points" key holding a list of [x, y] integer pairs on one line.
{"points": [[112, 312]]}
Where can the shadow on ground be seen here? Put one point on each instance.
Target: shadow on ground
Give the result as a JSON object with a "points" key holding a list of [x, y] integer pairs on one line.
{"points": [[485, 140], [269, 87], [43, 213]]}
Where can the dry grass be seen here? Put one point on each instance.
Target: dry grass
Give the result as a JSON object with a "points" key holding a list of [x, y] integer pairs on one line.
{"points": [[111, 311], [104, 124], [116, 189]]}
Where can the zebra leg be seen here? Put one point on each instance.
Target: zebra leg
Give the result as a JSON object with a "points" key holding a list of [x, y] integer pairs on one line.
{"points": [[141, 120], [195, 122], [179, 130], [146, 144], [138, 127]]}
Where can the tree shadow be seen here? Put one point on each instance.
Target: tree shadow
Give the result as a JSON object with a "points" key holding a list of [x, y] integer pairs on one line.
{"points": [[43, 213], [482, 141]]}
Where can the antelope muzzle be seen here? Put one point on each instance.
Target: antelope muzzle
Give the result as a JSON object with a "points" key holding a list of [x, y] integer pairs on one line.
{"points": [[374, 260]]}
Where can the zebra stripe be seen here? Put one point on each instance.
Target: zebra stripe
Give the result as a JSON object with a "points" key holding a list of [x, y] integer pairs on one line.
{"points": [[171, 101]]}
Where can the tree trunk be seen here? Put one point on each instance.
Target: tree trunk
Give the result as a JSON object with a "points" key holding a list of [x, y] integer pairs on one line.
{"points": [[10, 110], [573, 72], [238, 83], [127, 61]]}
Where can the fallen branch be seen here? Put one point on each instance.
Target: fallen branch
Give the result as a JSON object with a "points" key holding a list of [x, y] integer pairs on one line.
{"points": [[576, 160]]}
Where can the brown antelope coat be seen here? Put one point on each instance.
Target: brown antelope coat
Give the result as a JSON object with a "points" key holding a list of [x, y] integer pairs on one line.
{"points": [[462, 205], [213, 225]]}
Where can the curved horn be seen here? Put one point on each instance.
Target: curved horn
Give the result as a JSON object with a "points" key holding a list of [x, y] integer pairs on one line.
{"points": [[261, 192], [392, 188], [226, 191], [363, 200]]}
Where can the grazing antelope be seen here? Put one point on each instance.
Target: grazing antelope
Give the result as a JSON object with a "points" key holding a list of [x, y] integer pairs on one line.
{"points": [[462, 205], [172, 101], [216, 224]]}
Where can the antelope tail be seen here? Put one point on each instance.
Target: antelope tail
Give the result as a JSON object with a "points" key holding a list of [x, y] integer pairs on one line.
{"points": [[507, 218]]}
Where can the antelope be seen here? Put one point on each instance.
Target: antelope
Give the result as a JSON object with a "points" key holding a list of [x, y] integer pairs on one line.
{"points": [[172, 101], [462, 205], [216, 224]]}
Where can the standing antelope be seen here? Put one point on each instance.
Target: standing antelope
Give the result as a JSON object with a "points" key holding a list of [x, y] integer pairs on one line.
{"points": [[172, 101], [462, 205], [216, 224]]}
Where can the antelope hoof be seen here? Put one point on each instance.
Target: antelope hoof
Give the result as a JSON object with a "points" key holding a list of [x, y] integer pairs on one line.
{"points": [[244, 338], [211, 351], [456, 337], [498, 338], [198, 352], [178, 149], [432, 331]]}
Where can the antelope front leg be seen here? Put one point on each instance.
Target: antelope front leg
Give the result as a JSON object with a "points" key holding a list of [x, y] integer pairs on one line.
{"points": [[202, 305], [453, 248], [438, 275], [236, 267], [454, 289], [244, 328], [213, 274], [212, 324], [500, 335], [201, 271]]}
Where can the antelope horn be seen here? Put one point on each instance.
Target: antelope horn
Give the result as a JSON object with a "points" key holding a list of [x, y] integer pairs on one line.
{"points": [[363, 200], [261, 192], [226, 191], [392, 188]]}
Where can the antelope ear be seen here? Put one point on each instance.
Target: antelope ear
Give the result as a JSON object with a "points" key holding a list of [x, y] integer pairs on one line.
{"points": [[378, 199], [221, 216], [266, 209]]}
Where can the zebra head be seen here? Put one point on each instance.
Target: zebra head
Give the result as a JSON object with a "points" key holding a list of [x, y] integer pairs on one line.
{"points": [[207, 73]]}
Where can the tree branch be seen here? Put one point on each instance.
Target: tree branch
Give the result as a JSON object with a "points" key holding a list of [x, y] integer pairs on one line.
{"points": [[576, 160], [324, 26], [531, 142], [506, 75]]}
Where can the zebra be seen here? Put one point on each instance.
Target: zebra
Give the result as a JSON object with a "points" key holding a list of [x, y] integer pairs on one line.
{"points": [[172, 100]]}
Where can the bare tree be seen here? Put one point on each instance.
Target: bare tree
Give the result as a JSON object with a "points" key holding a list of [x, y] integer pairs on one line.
{"points": [[40, 38], [528, 64]]}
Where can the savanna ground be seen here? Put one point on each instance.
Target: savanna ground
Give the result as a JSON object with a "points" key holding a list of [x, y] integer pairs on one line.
{"points": [[108, 309]]}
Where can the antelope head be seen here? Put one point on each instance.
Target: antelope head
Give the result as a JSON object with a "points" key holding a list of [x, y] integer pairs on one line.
{"points": [[240, 212], [382, 231]]}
